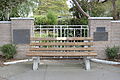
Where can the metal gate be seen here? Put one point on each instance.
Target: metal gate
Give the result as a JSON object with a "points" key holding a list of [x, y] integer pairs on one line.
{"points": [[60, 31]]}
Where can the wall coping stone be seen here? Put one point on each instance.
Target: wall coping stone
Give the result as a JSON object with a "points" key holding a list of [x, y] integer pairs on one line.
{"points": [[21, 18], [6, 22], [117, 21], [101, 18]]}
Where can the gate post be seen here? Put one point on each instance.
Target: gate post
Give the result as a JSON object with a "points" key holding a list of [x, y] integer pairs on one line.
{"points": [[21, 31]]}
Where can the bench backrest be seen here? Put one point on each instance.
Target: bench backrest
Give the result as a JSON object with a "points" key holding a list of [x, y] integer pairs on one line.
{"points": [[62, 46]]}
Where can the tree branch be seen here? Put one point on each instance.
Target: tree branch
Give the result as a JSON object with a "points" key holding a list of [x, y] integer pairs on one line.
{"points": [[80, 9]]}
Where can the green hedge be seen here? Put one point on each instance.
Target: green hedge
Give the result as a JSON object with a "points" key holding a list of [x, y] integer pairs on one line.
{"points": [[51, 19], [8, 50], [72, 21], [112, 52]]}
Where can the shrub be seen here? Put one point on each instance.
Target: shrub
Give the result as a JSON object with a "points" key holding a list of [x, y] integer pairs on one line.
{"points": [[63, 21], [41, 20], [8, 50], [52, 18], [72, 21], [112, 52], [49, 19]]}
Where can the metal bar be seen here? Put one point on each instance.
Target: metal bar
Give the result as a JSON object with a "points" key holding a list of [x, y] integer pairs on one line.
{"points": [[67, 31], [88, 32], [59, 28], [40, 31], [66, 28], [84, 32], [47, 33], [53, 31], [60, 31]]}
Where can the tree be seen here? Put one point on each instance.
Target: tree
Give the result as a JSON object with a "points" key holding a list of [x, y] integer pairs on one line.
{"points": [[6, 7], [57, 6], [115, 7], [80, 8], [118, 9], [93, 9], [78, 5], [52, 19], [24, 9]]}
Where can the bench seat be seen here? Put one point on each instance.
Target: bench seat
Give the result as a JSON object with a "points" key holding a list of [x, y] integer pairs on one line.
{"points": [[61, 47], [61, 54]]}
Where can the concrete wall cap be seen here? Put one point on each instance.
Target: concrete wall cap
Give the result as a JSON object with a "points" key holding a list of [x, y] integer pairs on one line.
{"points": [[6, 22], [118, 21], [21, 18], [101, 18]]}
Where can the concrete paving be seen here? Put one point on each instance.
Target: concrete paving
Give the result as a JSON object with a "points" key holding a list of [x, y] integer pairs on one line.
{"points": [[59, 70]]}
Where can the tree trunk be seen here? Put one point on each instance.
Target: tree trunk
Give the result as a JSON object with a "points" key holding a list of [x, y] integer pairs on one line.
{"points": [[80, 9], [7, 16], [114, 9]]}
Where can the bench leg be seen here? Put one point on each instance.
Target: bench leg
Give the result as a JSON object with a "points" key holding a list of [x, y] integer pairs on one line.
{"points": [[38, 58], [35, 63], [87, 63]]}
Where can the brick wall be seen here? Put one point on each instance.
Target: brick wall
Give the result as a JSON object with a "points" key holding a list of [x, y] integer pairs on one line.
{"points": [[113, 29], [6, 33]]}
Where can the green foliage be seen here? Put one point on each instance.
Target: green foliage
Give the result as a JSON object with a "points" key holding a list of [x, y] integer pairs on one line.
{"points": [[93, 8], [44, 35], [16, 8], [49, 19], [58, 6], [97, 9], [14, 12], [72, 21], [112, 52], [8, 50], [6, 7], [63, 21], [52, 18], [26, 8], [76, 21], [41, 20]]}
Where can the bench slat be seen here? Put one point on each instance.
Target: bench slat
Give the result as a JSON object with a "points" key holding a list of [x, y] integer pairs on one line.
{"points": [[72, 48], [62, 44], [66, 54], [61, 38]]}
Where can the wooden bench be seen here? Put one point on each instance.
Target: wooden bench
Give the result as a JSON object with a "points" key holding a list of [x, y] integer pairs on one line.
{"points": [[61, 47]]}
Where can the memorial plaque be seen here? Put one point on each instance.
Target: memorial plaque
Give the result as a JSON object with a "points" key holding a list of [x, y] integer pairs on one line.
{"points": [[21, 36], [100, 36], [100, 29]]}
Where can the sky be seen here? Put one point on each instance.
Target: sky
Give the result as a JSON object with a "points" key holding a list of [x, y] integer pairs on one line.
{"points": [[69, 4]]}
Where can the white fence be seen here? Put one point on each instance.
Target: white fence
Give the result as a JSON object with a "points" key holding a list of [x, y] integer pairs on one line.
{"points": [[60, 31]]}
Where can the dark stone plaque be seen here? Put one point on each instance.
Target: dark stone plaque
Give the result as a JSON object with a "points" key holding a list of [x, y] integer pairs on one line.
{"points": [[21, 36], [100, 36], [100, 29]]}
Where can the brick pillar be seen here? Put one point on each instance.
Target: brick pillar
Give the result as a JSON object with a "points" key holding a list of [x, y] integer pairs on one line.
{"points": [[115, 33], [19, 27], [95, 22]]}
